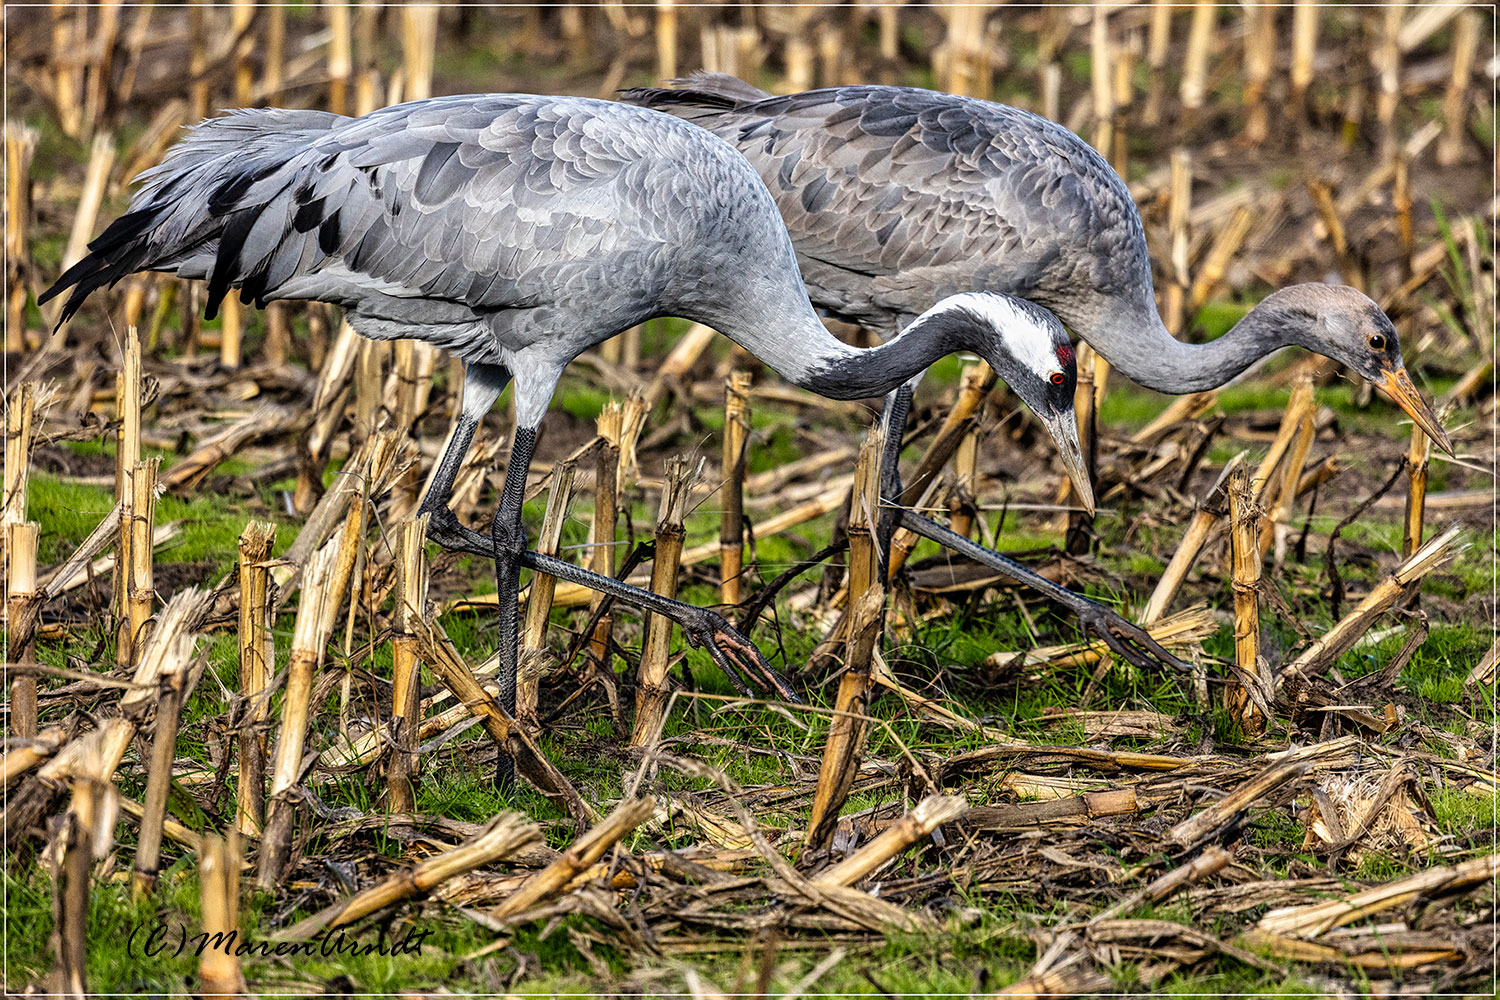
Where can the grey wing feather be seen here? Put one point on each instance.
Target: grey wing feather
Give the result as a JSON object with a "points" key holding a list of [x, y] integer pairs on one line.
{"points": [[721, 84], [466, 204], [895, 197]]}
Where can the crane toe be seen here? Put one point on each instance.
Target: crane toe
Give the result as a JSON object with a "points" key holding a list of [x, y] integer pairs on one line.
{"points": [[753, 664], [445, 529], [1128, 641], [739, 658]]}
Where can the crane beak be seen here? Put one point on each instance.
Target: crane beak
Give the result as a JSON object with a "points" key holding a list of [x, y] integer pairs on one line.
{"points": [[1064, 430], [1397, 385]]}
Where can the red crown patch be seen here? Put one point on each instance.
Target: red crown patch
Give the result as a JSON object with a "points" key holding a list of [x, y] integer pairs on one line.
{"points": [[1065, 355]]}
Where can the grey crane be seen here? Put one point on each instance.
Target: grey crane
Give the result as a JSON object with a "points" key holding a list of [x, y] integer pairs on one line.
{"points": [[897, 197], [517, 232]]}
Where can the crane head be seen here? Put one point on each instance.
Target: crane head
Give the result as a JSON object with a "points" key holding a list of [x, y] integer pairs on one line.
{"points": [[1346, 325], [1029, 349]]}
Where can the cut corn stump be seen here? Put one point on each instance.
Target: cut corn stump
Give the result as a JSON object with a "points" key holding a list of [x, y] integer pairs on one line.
{"points": [[1242, 695], [406, 716], [863, 616], [651, 689], [732, 521], [256, 660], [308, 639]]}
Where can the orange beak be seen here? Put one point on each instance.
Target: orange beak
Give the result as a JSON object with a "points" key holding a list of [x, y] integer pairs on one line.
{"points": [[1398, 386]]}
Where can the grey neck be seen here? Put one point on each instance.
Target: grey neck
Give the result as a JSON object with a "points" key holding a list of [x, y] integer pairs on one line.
{"points": [[1155, 359], [778, 326], [844, 372]]}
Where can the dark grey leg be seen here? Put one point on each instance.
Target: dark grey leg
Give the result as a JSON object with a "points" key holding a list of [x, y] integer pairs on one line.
{"points": [[735, 654], [482, 386], [509, 540], [444, 526], [1129, 641], [509, 537], [893, 421], [731, 650]]}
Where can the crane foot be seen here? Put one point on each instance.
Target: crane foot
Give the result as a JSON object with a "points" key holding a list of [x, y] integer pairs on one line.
{"points": [[445, 529], [1125, 639], [737, 656]]}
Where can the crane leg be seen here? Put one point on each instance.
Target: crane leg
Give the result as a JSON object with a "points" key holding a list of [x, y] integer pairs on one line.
{"points": [[703, 627], [734, 653], [509, 539], [1126, 639], [482, 386], [893, 421], [443, 525]]}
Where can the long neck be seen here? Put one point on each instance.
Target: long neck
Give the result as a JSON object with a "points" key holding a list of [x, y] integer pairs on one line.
{"points": [[1137, 344], [802, 351]]}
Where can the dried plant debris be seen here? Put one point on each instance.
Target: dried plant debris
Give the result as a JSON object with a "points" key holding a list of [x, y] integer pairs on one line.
{"points": [[244, 696]]}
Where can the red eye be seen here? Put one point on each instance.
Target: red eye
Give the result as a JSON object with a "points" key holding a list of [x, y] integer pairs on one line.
{"points": [[1058, 378]]}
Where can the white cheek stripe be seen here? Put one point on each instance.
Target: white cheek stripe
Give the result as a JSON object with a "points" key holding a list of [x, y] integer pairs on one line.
{"points": [[1032, 343]]}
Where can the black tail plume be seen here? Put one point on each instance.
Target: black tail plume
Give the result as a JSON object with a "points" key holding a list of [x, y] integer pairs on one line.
{"points": [[120, 250], [195, 209]]}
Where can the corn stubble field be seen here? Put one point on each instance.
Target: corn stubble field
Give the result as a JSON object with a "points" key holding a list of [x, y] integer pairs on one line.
{"points": [[242, 693]]}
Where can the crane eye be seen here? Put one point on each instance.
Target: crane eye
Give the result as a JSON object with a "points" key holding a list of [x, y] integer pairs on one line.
{"points": [[1377, 342], [1058, 378]]}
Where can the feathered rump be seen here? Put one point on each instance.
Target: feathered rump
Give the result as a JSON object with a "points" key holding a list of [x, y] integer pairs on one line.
{"points": [[202, 212]]}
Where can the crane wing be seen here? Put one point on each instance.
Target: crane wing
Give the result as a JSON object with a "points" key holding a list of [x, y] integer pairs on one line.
{"points": [[469, 200], [899, 196]]}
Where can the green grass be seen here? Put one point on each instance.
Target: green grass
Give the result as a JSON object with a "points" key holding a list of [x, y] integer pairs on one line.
{"points": [[151, 946], [984, 952], [1461, 811], [583, 401], [210, 525]]}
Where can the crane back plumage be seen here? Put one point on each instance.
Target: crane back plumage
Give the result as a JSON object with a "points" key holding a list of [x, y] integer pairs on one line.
{"points": [[898, 197], [513, 230]]}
